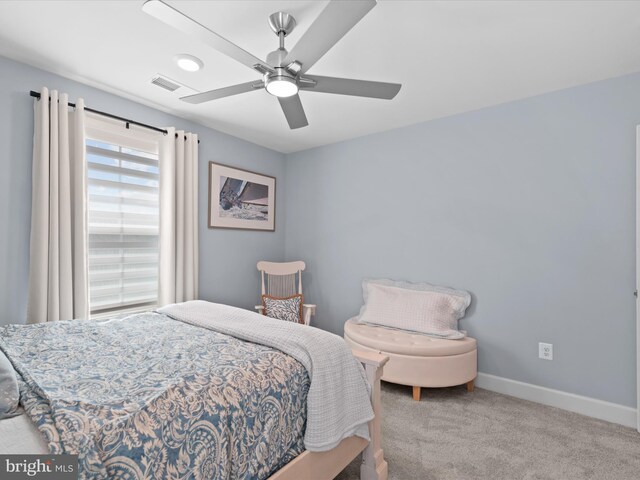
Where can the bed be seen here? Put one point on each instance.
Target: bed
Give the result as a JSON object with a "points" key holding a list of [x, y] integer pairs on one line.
{"points": [[195, 390]]}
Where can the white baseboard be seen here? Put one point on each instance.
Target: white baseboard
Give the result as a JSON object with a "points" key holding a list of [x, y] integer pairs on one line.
{"points": [[611, 412]]}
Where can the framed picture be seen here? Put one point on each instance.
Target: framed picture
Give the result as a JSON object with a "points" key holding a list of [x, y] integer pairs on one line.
{"points": [[241, 199]]}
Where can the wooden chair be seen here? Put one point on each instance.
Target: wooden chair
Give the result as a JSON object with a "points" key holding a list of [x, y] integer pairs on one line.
{"points": [[279, 280]]}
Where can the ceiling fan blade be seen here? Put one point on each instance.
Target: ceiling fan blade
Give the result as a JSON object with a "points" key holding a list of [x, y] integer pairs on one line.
{"points": [[347, 86], [180, 21], [222, 92], [293, 111], [338, 17]]}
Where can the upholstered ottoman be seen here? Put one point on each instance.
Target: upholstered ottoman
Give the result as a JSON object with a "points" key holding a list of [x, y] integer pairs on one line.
{"points": [[417, 360]]}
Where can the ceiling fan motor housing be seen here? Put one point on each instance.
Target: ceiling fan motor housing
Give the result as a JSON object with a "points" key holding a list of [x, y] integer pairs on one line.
{"points": [[276, 57], [280, 73]]}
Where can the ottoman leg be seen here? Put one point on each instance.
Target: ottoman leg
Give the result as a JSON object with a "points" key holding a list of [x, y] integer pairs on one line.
{"points": [[470, 385], [416, 394]]}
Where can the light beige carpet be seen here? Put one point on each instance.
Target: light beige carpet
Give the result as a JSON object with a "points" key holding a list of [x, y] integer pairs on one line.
{"points": [[452, 434]]}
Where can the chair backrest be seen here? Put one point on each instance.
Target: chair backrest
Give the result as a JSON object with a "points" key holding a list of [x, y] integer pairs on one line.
{"points": [[279, 279]]}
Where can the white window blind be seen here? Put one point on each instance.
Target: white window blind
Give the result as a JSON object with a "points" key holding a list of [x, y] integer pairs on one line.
{"points": [[123, 214]]}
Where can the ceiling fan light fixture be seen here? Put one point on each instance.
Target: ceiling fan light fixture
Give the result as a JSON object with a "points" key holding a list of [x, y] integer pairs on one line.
{"points": [[188, 63], [281, 86]]}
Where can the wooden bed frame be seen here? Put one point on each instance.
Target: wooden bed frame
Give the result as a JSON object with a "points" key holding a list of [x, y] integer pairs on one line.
{"points": [[326, 465]]}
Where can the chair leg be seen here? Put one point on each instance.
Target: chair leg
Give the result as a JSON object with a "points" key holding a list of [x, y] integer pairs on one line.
{"points": [[470, 385], [416, 394]]}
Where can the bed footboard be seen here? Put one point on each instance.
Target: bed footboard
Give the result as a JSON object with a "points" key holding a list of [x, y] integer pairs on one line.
{"points": [[374, 466], [326, 465]]}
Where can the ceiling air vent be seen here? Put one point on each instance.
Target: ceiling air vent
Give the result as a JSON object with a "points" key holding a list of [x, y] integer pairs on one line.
{"points": [[165, 83]]}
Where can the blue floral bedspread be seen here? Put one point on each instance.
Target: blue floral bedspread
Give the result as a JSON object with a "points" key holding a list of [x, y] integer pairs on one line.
{"points": [[150, 397]]}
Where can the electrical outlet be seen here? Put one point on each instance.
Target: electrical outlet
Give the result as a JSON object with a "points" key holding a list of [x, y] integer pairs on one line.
{"points": [[545, 351]]}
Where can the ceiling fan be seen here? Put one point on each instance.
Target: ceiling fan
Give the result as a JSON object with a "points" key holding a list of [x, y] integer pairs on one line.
{"points": [[284, 73]]}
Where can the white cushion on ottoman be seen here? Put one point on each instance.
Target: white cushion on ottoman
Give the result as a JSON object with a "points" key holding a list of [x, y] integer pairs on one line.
{"points": [[416, 307]]}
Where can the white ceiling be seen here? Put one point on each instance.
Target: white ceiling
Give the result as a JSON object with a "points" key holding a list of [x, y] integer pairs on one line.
{"points": [[450, 57]]}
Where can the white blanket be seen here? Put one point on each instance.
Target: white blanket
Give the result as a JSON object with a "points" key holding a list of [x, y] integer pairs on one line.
{"points": [[338, 403]]}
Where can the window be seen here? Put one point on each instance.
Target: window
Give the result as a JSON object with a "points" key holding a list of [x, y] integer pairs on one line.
{"points": [[123, 218]]}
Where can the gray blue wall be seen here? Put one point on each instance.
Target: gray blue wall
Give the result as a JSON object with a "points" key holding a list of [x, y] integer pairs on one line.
{"points": [[528, 205], [227, 257]]}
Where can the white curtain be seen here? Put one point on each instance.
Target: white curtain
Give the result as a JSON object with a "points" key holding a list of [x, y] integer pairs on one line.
{"points": [[178, 217], [58, 286]]}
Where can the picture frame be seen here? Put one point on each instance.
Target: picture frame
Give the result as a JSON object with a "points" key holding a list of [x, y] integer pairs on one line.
{"points": [[241, 199]]}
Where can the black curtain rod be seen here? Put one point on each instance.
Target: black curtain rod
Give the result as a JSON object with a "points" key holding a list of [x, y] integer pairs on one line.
{"points": [[115, 117]]}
